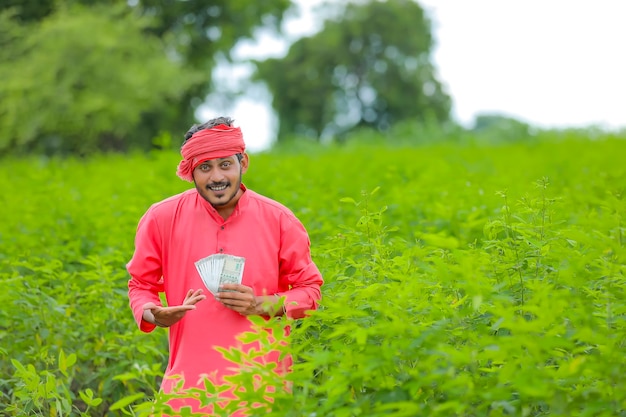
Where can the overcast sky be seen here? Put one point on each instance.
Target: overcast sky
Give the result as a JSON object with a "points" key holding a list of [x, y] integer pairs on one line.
{"points": [[551, 63]]}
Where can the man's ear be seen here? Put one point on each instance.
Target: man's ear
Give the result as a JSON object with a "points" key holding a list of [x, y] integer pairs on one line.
{"points": [[244, 163]]}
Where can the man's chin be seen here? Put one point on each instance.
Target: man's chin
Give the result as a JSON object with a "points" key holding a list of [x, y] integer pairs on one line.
{"points": [[217, 203]]}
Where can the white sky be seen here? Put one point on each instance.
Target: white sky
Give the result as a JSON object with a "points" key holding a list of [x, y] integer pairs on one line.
{"points": [[551, 63]]}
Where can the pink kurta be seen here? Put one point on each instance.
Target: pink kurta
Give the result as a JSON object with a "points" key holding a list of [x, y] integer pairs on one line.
{"points": [[182, 229]]}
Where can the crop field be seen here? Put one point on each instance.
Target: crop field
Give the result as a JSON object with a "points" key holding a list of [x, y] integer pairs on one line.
{"points": [[460, 280]]}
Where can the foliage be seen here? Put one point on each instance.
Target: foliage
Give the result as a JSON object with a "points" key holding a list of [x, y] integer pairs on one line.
{"points": [[84, 79], [463, 280], [368, 67], [201, 32], [28, 10], [122, 59], [501, 127], [196, 32]]}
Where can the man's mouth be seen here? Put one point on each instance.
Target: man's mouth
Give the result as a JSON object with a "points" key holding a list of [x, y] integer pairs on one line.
{"points": [[217, 187]]}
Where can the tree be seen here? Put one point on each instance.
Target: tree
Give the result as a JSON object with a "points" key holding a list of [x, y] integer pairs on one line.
{"points": [[497, 128], [84, 79], [368, 67], [196, 30], [193, 34]]}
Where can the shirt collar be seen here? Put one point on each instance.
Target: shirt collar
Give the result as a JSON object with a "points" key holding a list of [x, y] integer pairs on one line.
{"points": [[242, 203]]}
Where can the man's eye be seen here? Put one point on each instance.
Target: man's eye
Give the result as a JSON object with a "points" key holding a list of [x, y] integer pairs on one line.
{"points": [[204, 167], [225, 164]]}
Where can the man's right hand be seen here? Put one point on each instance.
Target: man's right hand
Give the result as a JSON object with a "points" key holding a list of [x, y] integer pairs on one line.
{"points": [[166, 316]]}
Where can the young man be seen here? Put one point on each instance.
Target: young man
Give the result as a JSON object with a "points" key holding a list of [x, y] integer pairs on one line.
{"points": [[219, 216]]}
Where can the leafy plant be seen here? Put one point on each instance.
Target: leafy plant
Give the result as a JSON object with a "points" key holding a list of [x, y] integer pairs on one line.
{"points": [[460, 280]]}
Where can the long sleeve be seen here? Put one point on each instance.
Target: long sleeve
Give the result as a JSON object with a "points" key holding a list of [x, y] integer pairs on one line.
{"points": [[297, 271], [145, 269]]}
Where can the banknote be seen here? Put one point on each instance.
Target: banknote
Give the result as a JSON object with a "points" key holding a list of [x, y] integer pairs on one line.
{"points": [[219, 269]]}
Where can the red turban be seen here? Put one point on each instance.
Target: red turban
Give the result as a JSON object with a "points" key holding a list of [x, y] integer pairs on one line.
{"points": [[217, 142]]}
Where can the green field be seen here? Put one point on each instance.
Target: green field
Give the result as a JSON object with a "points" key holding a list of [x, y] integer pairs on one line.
{"points": [[461, 280]]}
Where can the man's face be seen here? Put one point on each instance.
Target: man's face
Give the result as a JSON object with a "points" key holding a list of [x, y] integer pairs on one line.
{"points": [[218, 180]]}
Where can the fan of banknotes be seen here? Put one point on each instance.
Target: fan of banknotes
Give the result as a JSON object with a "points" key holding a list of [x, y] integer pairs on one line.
{"points": [[219, 269]]}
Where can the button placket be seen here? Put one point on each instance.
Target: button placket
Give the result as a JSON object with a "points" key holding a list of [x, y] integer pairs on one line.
{"points": [[220, 239]]}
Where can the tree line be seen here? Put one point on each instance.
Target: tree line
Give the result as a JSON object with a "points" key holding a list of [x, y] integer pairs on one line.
{"points": [[82, 76]]}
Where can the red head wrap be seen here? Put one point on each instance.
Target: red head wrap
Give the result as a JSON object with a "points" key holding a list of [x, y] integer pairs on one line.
{"points": [[217, 142]]}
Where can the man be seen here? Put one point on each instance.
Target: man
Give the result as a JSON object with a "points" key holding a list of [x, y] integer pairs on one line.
{"points": [[219, 216]]}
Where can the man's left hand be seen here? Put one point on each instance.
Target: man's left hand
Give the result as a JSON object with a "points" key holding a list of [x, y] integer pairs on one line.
{"points": [[241, 298]]}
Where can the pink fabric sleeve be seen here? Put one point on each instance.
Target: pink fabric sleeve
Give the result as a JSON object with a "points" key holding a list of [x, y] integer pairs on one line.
{"points": [[298, 272], [145, 270]]}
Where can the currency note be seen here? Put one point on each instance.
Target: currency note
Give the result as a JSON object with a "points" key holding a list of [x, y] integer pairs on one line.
{"points": [[232, 271], [218, 269]]}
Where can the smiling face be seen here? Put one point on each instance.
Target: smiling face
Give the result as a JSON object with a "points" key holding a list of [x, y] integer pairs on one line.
{"points": [[218, 182]]}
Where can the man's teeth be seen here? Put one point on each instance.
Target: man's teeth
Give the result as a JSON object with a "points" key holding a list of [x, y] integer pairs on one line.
{"points": [[218, 187]]}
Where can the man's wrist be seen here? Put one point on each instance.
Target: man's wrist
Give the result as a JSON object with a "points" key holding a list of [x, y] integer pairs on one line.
{"points": [[269, 305], [262, 306], [281, 308], [158, 323], [149, 317]]}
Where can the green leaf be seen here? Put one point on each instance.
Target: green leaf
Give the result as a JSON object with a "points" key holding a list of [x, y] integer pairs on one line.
{"points": [[126, 401], [347, 200]]}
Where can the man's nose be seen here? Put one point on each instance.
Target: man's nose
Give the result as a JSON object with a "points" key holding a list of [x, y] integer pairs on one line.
{"points": [[216, 175]]}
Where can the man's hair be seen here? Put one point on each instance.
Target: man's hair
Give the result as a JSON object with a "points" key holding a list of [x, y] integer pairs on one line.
{"points": [[222, 120]]}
